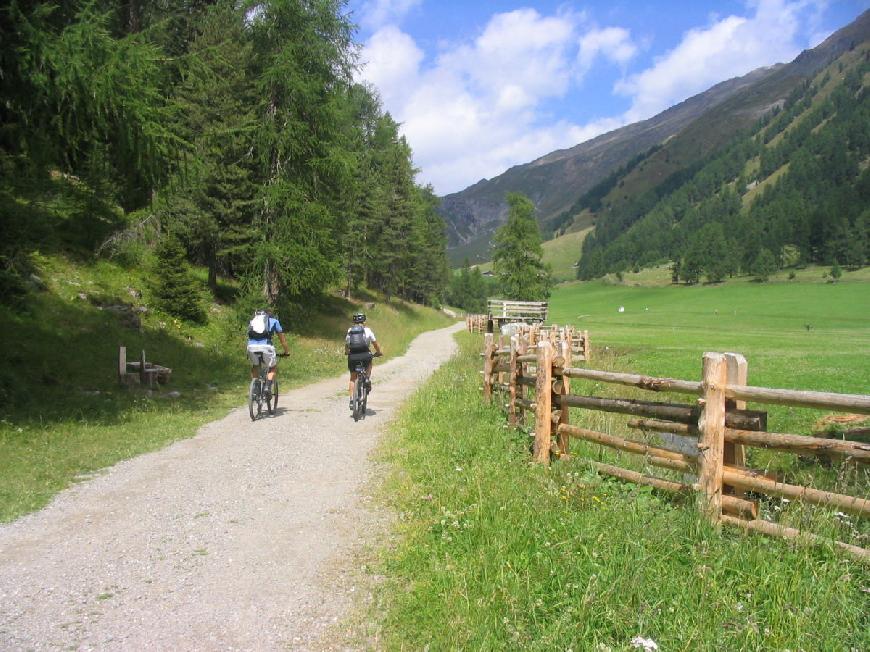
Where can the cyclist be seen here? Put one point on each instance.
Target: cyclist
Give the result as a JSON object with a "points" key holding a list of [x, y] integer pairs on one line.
{"points": [[260, 331], [356, 346]]}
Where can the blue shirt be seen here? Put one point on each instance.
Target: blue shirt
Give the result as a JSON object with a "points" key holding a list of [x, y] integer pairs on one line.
{"points": [[274, 327]]}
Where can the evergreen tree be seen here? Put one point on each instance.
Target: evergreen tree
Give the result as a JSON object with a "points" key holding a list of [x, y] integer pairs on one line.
{"points": [[764, 265], [517, 253], [176, 290]]}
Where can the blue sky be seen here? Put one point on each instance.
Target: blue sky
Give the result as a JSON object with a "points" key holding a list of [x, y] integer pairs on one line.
{"points": [[482, 86]]}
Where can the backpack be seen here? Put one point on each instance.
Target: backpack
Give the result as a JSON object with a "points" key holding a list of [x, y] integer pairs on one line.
{"points": [[356, 340], [258, 327]]}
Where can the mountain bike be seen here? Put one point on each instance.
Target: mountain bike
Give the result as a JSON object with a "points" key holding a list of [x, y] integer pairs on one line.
{"points": [[258, 395], [361, 388]]}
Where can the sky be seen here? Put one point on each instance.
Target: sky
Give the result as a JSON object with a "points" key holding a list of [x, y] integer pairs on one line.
{"points": [[481, 86]]}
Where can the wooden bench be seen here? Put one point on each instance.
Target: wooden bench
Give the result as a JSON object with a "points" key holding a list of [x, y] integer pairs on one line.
{"points": [[140, 372]]}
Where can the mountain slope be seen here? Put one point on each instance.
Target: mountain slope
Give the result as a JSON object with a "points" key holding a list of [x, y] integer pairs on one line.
{"points": [[661, 150], [794, 189]]}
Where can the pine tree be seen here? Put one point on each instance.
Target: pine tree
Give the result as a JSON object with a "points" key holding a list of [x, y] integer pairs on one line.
{"points": [[176, 290], [517, 253]]}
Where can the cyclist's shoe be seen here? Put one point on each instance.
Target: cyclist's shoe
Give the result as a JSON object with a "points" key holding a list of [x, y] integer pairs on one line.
{"points": [[350, 404], [369, 386], [267, 388]]}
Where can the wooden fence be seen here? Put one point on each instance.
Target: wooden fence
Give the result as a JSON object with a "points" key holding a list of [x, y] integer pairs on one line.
{"points": [[704, 441], [476, 323]]}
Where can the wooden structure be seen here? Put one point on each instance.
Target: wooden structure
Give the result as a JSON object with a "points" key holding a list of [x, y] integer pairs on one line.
{"points": [[501, 311], [476, 323], [703, 442], [140, 372]]}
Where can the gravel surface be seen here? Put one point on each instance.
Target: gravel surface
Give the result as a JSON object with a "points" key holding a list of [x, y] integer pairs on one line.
{"points": [[238, 538]]}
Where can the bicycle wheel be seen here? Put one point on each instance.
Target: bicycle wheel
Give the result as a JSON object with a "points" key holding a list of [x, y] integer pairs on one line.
{"points": [[272, 400], [358, 391], [254, 398], [365, 398]]}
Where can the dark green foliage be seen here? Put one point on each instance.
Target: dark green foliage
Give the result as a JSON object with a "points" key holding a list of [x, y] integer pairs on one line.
{"points": [[176, 291], [469, 290], [810, 156], [764, 265], [241, 132], [517, 253]]}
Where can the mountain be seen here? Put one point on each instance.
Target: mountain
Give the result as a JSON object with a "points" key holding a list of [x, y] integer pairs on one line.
{"points": [[656, 151], [793, 188]]}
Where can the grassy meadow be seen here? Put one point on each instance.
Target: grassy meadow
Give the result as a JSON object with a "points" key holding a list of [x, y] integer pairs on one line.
{"points": [[62, 415], [491, 552]]}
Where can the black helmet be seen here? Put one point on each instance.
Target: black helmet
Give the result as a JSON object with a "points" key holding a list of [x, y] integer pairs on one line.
{"points": [[359, 318]]}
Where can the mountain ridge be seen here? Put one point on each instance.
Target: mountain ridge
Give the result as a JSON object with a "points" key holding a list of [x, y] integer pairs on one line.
{"points": [[685, 134]]}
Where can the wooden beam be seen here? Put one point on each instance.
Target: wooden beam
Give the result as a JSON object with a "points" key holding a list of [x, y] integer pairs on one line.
{"points": [[711, 439], [799, 443], [658, 425], [679, 412], [749, 480], [488, 347], [774, 529], [685, 462], [859, 403], [514, 370], [543, 401], [634, 380], [640, 478]]}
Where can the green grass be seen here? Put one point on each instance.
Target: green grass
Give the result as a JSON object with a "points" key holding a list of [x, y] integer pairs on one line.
{"points": [[62, 415], [493, 553]]}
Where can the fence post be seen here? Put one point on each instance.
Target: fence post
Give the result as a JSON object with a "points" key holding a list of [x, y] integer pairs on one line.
{"points": [[522, 349], [735, 454], [487, 367], [711, 440], [564, 390], [512, 397], [543, 402], [587, 350]]}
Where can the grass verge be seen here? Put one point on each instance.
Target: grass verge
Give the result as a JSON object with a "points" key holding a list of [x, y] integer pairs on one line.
{"points": [[62, 415], [493, 553]]}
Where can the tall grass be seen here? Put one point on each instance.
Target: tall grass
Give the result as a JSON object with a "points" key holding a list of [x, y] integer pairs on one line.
{"points": [[493, 553]]}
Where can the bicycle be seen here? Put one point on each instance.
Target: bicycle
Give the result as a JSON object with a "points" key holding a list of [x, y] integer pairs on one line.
{"points": [[361, 388], [257, 395]]}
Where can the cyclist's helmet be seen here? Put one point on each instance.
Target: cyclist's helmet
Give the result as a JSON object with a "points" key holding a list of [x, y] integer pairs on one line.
{"points": [[359, 318]]}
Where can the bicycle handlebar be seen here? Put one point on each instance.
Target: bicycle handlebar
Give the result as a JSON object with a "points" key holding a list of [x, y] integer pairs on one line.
{"points": [[283, 355]]}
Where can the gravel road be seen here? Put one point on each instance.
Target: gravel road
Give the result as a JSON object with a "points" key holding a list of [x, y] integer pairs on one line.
{"points": [[236, 539]]}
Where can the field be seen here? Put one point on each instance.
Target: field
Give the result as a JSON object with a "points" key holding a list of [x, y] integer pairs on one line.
{"points": [[794, 335], [492, 553], [62, 415]]}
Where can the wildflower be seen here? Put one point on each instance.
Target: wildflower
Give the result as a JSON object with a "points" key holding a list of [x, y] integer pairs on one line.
{"points": [[645, 644]]}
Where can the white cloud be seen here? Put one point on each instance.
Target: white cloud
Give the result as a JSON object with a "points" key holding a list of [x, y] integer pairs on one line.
{"points": [[475, 110], [480, 106], [377, 13], [612, 43], [730, 47]]}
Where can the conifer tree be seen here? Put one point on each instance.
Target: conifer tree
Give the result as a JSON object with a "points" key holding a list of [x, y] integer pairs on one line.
{"points": [[176, 290], [517, 253]]}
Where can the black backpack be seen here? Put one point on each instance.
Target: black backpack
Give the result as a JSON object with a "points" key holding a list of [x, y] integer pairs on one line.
{"points": [[356, 340]]}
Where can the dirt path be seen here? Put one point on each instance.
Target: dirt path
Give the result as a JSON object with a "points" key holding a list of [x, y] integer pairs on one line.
{"points": [[229, 540]]}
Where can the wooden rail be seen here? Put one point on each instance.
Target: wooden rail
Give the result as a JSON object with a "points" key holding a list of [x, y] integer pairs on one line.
{"points": [[705, 440]]}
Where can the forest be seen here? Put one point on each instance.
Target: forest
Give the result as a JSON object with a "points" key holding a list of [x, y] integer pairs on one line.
{"points": [[226, 135], [793, 191]]}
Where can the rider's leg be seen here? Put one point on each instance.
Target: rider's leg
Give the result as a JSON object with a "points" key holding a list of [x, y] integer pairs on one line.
{"points": [[255, 372], [271, 375], [350, 384]]}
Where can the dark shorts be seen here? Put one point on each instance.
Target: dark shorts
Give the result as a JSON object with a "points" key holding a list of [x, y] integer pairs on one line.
{"points": [[354, 359]]}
